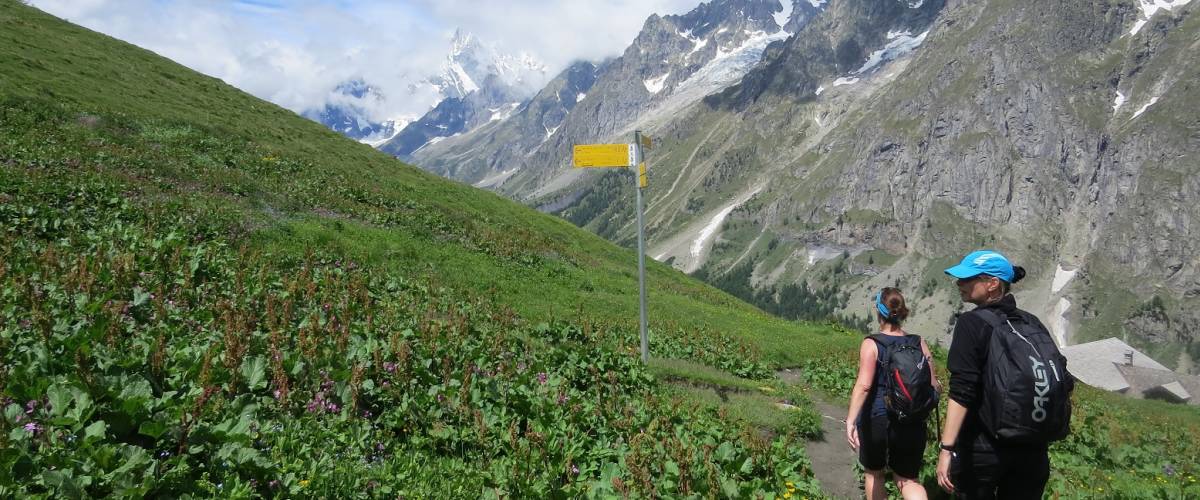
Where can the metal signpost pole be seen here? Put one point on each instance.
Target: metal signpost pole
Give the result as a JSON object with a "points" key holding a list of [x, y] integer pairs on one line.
{"points": [[637, 178]]}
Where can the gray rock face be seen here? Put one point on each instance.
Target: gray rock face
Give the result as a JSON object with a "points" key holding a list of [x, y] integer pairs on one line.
{"points": [[666, 52], [887, 138]]}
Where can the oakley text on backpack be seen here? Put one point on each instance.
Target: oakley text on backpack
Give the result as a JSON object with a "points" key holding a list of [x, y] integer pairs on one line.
{"points": [[1026, 386]]}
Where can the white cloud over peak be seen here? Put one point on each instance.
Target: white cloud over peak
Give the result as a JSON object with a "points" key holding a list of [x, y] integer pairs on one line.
{"points": [[294, 53]]}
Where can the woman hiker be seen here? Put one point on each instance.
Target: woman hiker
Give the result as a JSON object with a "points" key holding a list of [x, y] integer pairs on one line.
{"points": [[890, 432], [987, 453]]}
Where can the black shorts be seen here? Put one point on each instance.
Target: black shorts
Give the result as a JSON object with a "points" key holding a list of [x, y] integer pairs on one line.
{"points": [[900, 447]]}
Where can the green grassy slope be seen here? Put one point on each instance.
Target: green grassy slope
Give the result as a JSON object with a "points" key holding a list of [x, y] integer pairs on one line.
{"points": [[295, 180], [203, 294]]}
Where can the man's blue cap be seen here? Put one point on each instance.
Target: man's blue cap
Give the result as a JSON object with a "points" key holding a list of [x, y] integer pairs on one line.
{"points": [[987, 262]]}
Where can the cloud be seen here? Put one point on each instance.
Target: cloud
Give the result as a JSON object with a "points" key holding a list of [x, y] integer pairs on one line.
{"points": [[294, 53]]}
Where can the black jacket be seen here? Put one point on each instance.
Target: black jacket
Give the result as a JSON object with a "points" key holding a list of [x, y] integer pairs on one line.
{"points": [[967, 361]]}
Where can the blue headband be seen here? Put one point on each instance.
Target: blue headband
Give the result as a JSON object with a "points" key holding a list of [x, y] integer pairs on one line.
{"points": [[879, 305]]}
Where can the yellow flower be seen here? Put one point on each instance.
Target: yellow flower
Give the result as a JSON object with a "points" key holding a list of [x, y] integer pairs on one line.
{"points": [[790, 484], [303, 483], [787, 495]]}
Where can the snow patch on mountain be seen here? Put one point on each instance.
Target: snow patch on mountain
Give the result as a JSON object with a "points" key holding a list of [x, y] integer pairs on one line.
{"points": [[706, 233], [1150, 7], [913, 4], [503, 112], [782, 17], [817, 3], [1144, 108], [580, 97], [725, 69], [844, 81], [902, 43], [1061, 278], [655, 85], [1118, 102]]}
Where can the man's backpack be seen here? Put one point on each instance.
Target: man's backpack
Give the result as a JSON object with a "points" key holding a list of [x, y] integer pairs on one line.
{"points": [[908, 385], [1026, 386]]}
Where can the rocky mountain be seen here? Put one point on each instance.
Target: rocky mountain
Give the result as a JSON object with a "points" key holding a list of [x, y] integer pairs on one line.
{"points": [[480, 85], [675, 60], [476, 83], [886, 138], [348, 111]]}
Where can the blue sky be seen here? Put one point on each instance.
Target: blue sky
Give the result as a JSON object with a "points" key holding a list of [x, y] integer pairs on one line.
{"points": [[293, 52]]}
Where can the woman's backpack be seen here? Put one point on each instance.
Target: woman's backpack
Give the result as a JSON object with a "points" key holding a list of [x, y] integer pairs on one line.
{"points": [[1026, 386], [908, 386]]}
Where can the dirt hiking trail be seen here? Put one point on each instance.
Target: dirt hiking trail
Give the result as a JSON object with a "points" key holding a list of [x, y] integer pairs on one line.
{"points": [[832, 459]]}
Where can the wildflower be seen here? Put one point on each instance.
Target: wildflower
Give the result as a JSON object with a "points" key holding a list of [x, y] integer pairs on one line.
{"points": [[25, 324], [389, 367], [441, 398], [787, 494], [303, 483], [33, 428], [1169, 470], [541, 377], [273, 484], [562, 399], [790, 485], [574, 470]]}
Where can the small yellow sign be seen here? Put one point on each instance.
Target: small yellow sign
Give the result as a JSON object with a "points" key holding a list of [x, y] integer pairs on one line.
{"points": [[603, 155], [643, 180], [647, 143]]}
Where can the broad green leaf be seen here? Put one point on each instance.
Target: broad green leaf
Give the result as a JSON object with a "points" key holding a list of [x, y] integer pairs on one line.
{"points": [[254, 371], [140, 296], [96, 430], [152, 428]]}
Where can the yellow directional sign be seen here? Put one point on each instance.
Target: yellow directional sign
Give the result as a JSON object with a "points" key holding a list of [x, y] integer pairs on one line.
{"points": [[647, 143], [642, 179], [603, 155]]}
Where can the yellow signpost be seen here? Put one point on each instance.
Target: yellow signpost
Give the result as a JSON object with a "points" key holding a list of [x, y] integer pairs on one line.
{"points": [[625, 156], [603, 155]]}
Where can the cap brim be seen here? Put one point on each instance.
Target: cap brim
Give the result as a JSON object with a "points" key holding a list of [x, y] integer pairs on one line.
{"points": [[962, 272]]}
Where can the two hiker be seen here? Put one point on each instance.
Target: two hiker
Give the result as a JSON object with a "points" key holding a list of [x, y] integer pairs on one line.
{"points": [[1009, 393]]}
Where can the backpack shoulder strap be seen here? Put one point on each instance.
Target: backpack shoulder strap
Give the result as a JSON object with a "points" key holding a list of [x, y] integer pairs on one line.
{"points": [[881, 347], [992, 318]]}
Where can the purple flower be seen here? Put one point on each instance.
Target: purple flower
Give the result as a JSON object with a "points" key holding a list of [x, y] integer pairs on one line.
{"points": [[389, 367], [1169, 470], [277, 394], [574, 470], [562, 399], [332, 407], [25, 324], [273, 484], [379, 447], [366, 414], [30, 406], [441, 398], [33, 428], [541, 378]]}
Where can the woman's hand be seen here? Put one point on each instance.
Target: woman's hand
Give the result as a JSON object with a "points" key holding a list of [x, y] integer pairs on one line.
{"points": [[852, 436], [943, 471]]}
